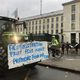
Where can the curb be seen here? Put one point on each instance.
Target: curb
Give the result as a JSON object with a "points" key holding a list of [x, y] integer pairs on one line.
{"points": [[60, 68]]}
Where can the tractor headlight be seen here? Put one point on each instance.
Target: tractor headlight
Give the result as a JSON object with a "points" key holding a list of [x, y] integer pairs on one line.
{"points": [[16, 39]]}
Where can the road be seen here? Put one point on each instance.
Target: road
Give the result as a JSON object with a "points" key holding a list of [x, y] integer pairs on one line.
{"points": [[39, 73], [46, 73]]}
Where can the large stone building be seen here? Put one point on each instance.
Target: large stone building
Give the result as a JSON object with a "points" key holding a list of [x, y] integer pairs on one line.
{"points": [[51, 23], [72, 21], [65, 22]]}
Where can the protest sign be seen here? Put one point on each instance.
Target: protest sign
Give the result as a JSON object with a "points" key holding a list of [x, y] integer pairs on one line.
{"points": [[26, 53]]}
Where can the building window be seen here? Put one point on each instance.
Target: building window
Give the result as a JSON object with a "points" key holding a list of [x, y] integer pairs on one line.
{"points": [[29, 23], [61, 25], [56, 31], [61, 18], [52, 19], [43, 21], [35, 32], [73, 17], [32, 22], [36, 22], [43, 31], [57, 26], [57, 19], [52, 26], [39, 32], [26, 32], [73, 26], [39, 21], [73, 8], [51, 31], [47, 20], [47, 26], [36, 27]]}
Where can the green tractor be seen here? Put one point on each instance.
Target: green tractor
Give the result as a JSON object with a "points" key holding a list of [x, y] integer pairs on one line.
{"points": [[16, 50]]}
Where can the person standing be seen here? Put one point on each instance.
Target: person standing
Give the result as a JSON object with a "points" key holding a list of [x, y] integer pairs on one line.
{"points": [[63, 47], [67, 47], [76, 47]]}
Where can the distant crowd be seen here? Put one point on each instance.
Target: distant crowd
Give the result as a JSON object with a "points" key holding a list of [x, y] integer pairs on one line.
{"points": [[70, 46]]}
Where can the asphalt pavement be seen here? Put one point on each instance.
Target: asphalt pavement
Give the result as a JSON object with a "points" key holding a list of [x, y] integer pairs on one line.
{"points": [[47, 73], [40, 73]]}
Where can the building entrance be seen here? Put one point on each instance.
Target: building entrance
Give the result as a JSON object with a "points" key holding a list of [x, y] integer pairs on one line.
{"points": [[79, 37], [73, 38]]}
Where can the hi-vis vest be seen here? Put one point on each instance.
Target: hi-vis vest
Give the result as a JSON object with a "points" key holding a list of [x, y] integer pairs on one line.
{"points": [[55, 42]]}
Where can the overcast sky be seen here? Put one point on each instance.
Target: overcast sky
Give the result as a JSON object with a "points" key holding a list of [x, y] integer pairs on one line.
{"points": [[29, 7]]}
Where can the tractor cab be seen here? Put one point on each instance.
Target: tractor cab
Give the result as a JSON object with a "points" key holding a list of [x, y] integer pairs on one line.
{"points": [[8, 32], [7, 26]]}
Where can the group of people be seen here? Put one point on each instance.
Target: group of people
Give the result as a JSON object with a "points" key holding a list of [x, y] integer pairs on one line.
{"points": [[68, 46], [64, 46]]}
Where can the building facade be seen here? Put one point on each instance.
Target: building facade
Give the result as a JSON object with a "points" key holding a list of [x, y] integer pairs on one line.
{"points": [[51, 23], [65, 22]]}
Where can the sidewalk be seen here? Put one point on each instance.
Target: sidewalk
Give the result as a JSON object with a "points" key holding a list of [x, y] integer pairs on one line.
{"points": [[70, 64]]}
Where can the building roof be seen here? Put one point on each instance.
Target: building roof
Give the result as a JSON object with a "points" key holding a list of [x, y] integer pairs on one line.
{"points": [[71, 2], [60, 12]]}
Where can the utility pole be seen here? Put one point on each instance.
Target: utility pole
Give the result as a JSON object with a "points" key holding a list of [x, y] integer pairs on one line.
{"points": [[40, 7]]}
